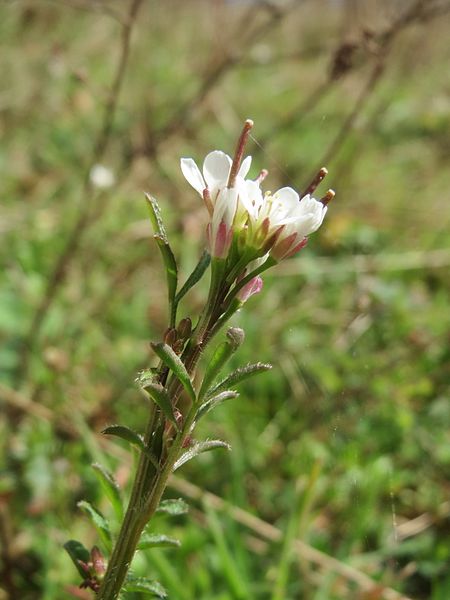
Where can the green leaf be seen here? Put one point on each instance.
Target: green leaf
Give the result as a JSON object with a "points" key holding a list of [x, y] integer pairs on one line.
{"points": [[155, 541], [238, 376], [111, 488], [160, 396], [164, 247], [195, 276], [127, 434], [173, 361], [133, 438], [220, 356], [173, 507], [199, 448], [142, 584], [215, 401], [77, 553], [99, 521]]}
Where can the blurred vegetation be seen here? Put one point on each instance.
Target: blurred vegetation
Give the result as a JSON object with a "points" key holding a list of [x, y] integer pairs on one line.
{"points": [[345, 444]]}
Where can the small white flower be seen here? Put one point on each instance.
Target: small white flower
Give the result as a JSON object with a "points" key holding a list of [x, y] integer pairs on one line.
{"points": [[222, 201], [302, 219]]}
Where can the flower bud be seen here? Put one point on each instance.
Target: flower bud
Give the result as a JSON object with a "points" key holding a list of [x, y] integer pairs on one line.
{"points": [[236, 337], [170, 336], [184, 328], [254, 286]]}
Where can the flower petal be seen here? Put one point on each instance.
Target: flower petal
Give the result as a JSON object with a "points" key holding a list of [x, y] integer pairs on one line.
{"points": [[193, 175], [216, 169], [245, 167], [288, 198]]}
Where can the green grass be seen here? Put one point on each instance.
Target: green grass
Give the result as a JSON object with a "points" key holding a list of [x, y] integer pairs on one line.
{"points": [[348, 435]]}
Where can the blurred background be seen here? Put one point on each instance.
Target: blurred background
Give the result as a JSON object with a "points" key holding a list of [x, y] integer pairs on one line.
{"points": [[338, 482]]}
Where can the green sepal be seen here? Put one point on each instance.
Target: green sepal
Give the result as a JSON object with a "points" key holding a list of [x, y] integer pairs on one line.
{"points": [[157, 541], [111, 488], [99, 522], [173, 361], [161, 398], [195, 276], [238, 376], [199, 448], [214, 401], [77, 553], [173, 507], [142, 584], [164, 247]]}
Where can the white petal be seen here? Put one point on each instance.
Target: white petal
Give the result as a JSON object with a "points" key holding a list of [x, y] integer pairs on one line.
{"points": [[216, 169], [193, 175], [245, 167], [225, 208], [288, 198]]}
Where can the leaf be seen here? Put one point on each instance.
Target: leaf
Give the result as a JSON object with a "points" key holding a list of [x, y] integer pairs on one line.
{"points": [[155, 541], [173, 507], [160, 396], [239, 375], [164, 247], [171, 360], [77, 553], [199, 448], [126, 434], [111, 488], [195, 276], [142, 584], [220, 356], [215, 401], [99, 521]]}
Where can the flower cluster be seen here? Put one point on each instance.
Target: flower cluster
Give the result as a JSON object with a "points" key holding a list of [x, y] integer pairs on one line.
{"points": [[246, 224]]}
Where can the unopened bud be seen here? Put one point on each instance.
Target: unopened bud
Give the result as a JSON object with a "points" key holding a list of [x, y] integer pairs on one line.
{"points": [[98, 562], [236, 337], [170, 336], [184, 328], [254, 286]]}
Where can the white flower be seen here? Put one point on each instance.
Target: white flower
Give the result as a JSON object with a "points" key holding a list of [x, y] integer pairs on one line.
{"points": [[300, 221], [281, 221], [222, 202]]}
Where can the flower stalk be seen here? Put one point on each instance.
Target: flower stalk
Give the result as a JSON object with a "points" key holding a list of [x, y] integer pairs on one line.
{"points": [[248, 233]]}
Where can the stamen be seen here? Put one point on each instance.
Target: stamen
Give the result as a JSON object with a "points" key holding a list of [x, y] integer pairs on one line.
{"points": [[323, 172], [239, 152], [208, 202], [328, 197]]}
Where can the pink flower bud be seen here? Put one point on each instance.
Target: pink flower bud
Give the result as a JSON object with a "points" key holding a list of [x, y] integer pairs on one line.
{"points": [[254, 286]]}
